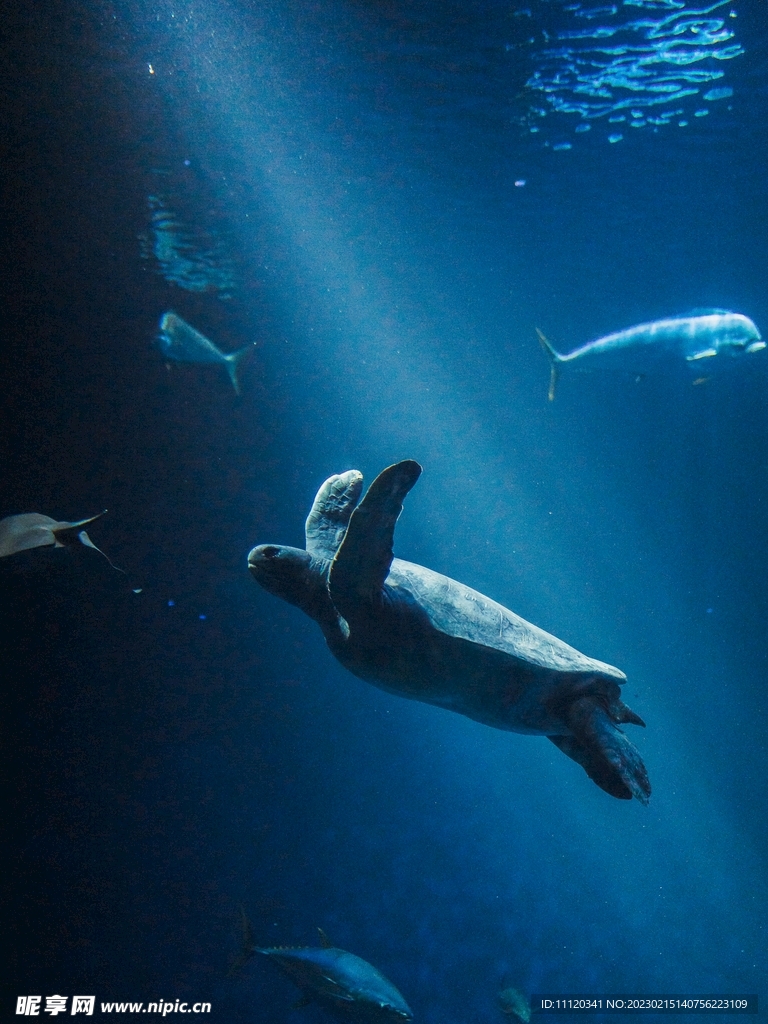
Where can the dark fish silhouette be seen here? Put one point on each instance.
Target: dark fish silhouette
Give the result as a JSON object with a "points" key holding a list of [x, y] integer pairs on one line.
{"points": [[181, 342], [348, 986], [514, 1004], [32, 530], [416, 633]]}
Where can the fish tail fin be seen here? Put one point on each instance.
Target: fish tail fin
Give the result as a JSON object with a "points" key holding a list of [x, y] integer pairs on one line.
{"points": [[163, 335], [65, 533], [234, 363], [554, 363], [86, 541], [248, 947]]}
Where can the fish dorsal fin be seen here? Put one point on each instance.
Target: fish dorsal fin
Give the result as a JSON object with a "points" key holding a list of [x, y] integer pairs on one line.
{"points": [[362, 562], [325, 942], [246, 931], [329, 517], [247, 948], [707, 311]]}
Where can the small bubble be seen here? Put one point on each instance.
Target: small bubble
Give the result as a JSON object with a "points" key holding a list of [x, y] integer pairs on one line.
{"points": [[187, 163], [615, 138], [171, 603], [520, 182], [202, 617]]}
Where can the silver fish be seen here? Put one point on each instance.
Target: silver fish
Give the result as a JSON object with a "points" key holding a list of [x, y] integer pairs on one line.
{"points": [[701, 334], [348, 986], [181, 342]]}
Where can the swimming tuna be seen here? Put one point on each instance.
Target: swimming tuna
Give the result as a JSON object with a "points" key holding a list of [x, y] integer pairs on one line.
{"points": [[348, 986], [698, 335], [179, 341]]}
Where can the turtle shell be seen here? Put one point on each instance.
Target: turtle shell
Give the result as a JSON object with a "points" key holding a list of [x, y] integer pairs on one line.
{"points": [[459, 611]]}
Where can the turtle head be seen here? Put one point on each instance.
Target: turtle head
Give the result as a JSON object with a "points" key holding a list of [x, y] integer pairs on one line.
{"points": [[298, 577]]}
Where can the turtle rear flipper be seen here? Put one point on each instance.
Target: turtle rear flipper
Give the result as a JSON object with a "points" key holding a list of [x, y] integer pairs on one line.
{"points": [[333, 505], [604, 752], [362, 562]]}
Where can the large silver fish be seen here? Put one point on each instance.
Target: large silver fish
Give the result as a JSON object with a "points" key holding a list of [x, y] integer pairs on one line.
{"points": [[702, 334], [179, 341], [348, 986]]}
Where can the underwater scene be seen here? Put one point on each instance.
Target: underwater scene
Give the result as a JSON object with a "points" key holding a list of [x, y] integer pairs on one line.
{"points": [[383, 544]]}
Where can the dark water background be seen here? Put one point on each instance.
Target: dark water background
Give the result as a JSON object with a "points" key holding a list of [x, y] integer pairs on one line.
{"points": [[163, 768]]}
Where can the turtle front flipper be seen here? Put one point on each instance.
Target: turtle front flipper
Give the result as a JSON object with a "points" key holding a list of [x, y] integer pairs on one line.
{"points": [[328, 519], [604, 752], [362, 562]]}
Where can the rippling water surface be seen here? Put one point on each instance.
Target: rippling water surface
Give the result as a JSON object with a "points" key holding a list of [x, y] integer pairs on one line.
{"points": [[637, 64]]}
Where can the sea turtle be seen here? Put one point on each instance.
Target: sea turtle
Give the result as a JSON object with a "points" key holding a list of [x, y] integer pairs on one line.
{"points": [[421, 635]]}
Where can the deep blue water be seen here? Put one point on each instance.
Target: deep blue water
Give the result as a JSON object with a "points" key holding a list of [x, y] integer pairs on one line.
{"points": [[336, 182]]}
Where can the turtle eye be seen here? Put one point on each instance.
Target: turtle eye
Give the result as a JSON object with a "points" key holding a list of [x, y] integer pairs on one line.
{"points": [[270, 551]]}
